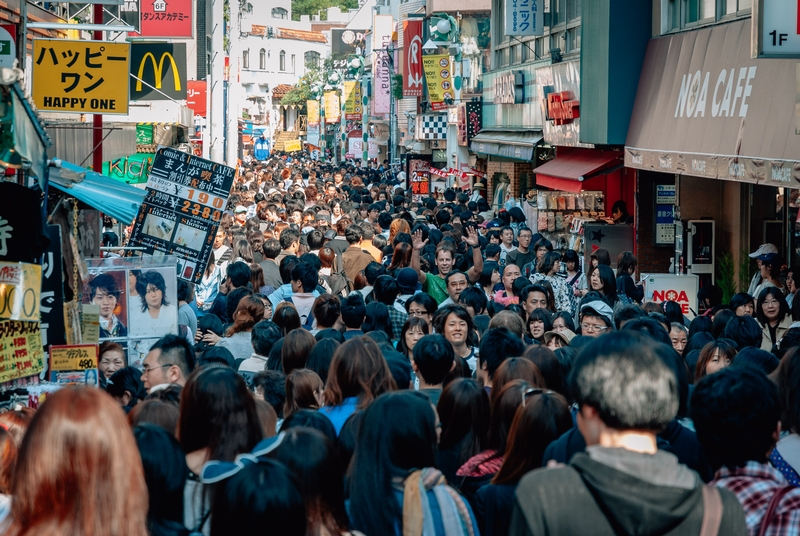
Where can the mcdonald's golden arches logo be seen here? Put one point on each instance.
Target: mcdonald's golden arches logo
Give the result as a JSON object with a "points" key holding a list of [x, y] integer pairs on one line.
{"points": [[158, 71]]}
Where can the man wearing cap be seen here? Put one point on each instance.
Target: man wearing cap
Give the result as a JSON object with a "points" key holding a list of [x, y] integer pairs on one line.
{"points": [[240, 214], [769, 266], [763, 249], [597, 319], [407, 285]]}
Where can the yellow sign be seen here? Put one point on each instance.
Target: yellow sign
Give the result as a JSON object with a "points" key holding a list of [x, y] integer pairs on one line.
{"points": [[20, 291], [73, 357], [332, 111], [312, 108], [81, 76], [352, 100], [158, 70], [21, 352], [291, 146], [439, 78]]}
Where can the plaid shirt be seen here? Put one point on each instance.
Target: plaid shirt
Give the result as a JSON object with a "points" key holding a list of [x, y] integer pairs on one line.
{"points": [[754, 485], [398, 320]]}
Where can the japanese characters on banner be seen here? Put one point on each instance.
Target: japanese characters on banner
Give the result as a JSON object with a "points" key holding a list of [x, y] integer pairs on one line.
{"points": [[469, 117], [20, 291], [525, 17], [52, 295], [446, 172], [180, 214], [383, 27], [166, 18], [196, 94], [418, 175], [352, 100], [333, 112], [21, 352], [439, 79], [80, 76], [312, 109], [412, 61], [74, 364]]}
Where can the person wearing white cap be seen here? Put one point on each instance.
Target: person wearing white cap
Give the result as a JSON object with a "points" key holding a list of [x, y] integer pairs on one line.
{"points": [[763, 249], [597, 318]]}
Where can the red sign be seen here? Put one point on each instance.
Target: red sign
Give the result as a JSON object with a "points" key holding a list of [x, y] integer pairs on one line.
{"points": [[413, 77], [166, 18], [562, 108], [679, 296], [196, 97]]}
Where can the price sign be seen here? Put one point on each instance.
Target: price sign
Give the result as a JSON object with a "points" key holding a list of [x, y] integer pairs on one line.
{"points": [[21, 352], [20, 290], [73, 357]]}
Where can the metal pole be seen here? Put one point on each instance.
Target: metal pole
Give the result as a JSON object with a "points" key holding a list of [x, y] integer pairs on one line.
{"points": [[322, 122], [343, 125], [97, 119], [364, 121], [216, 109], [22, 35]]}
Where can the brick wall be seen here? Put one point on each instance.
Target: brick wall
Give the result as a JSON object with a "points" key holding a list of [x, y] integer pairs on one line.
{"points": [[512, 169], [652, 259]]}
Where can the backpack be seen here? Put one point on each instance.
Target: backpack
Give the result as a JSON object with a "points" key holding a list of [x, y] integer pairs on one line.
{"points": [[621, 296], [308, 325]]}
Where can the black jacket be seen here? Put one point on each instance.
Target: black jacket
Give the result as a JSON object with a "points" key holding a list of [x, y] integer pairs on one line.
{"points": [[493, 506], [617, 491]]}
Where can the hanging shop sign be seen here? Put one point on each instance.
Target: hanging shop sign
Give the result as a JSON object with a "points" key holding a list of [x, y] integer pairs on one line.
{"points": [[182, 208], [52, 295], [665, 214], [166, 19], [678, 288], [159, 70], [412, 60], [21, 352], [382, 85], [355, 148], [312, 109], [439, 80], [292, 146], [469, 117], [780, 28], [332, 109], [74, 364], [20, 291], [80, 76], [524, 17], [352, 100], [418, 170], [196, 95], [559, 87], [133, 169]]}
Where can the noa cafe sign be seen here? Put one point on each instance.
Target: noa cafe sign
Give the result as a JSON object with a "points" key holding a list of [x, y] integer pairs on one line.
{"points": [[681, 289], [509, 88], [715, 94]]}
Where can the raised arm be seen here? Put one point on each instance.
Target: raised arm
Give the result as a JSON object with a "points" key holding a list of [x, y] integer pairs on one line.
{"points": [[418, 243], [473, 241]]}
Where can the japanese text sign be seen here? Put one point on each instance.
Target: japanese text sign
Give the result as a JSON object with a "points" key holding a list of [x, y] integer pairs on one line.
{"points": [[293, 145], [332, 111], [80, 76], [524, 17], [73, 357], [196, 97], [312, 107], [412, 61], [352, 100], [166, 18], [181, 210], [20, 291], [160, 71], [21, 352], [439, 79]]}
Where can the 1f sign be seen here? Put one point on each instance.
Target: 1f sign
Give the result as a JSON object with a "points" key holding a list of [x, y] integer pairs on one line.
{"points": [[780, 27], [524, 17]]}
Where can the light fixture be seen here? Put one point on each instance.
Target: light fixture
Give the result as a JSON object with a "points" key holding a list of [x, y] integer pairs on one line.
{"points": [[443, 26], [355, 64]]}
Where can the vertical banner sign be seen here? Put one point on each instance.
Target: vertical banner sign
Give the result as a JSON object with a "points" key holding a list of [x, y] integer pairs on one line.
{"points": [[412, 66], [312, 109], [524, 17], [352, 101], [160, 71], [166, 19], [332, 108], [21, 352], [80, 76], [196, 97], [665, 210], [52, 296], [383, 27], [418, 175], [439, 79], [181, 210], [8, 48]]}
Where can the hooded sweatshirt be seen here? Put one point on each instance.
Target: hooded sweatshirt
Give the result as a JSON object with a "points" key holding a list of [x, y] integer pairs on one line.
{"points": [[618, 491]]}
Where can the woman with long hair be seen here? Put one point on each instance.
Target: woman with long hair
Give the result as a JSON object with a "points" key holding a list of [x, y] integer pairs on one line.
{"points": [[413, 330], [714, 356], [257, 280], [286, 317], [516, 368], [598, 257], [242, 252], [543, 417], [539, 323], [490, 276], [773, 314], [396, 227], [394, 486], [464, 411], [549, 366], [358, 375], [218, 421], [377, 319], [575, 276], [296, 347], [79, 472], [303, 391], [327, 259], [547, 271], [603, 282], [401, 258], [238, 337], [626, 268]]}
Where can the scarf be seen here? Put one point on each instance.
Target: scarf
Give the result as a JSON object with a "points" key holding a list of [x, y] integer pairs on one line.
{"points": [[417, 513]]}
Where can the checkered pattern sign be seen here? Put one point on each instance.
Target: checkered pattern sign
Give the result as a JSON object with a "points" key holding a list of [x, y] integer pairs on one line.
{"points": [[431, 127]]}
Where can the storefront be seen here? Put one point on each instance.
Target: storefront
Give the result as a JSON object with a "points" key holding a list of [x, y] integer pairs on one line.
{"points": [[720, 129]]}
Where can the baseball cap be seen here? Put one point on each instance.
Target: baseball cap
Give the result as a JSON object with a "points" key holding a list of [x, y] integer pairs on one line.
{"points": [[599, 308], [565, 335], [408, 281], [763, 249], [771, 258], [330, 234], [239, 209]]}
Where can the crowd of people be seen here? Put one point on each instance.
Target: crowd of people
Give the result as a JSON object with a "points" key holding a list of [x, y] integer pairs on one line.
{"points": [[356, 361]]}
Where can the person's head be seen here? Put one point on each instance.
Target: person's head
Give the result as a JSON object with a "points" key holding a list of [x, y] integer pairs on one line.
{"points": [[736, 413], [770, 266], [619, 211], [700, 323], [714, 356], [303, 391], [249, 311], [164, 472], [626, 263], [516, 368], [742, 304], [673, 312], [413, 330], [358, 370], [353, 311], [320, 357], [550, 263], [533, 297], [104, 293], [464, 411], [454, 322], [497, 345], [78, 470], [541, 248], [377, 320], [474, 300], [433, 358], [286, 317], [620, 383], [16, 422], [771, 307], [126, 387], [271, 248], [397, 435], [385, 290], [270, 385], [456, 282], [504, 406], [296, 346], [157, 412], [744, 331], [245, 501], [290, 240], [152, 288], [510, 273], [603, 281], [112, 358], [543, 417], [218, 414], [721, 320], [421, 305], [444, 257], [678, 336], [563, 320], [326, 309], [304, 278], [238, 275], [170, 360], [263, 337], [596, 318], [539, 323]]}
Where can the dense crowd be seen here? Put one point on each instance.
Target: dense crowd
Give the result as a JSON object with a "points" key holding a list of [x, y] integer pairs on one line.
{"points": [[359, 361]]}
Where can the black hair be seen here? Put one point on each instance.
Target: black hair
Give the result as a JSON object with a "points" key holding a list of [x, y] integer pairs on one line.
{"points": [[216, 354], [233, 298], [423, 299], [288, 237], [315, 240], [548, 261], [777, 294], [758, 358], [245, 501], [154, 278], [353, 311], [474, 298], [272, 248], [373, 271], [542, 243], [739, 299], [625, 358], [105, 282], [313, 260], [385, 290], [540, 314], [320, 357], [650, 327], [673, 312], [492, 250], [175, 350], [239, 274], [377, 319], [721, 320], [744, 331], [700, 323], [308, 418], [286, 266], [606, 275], [497, 344], [627, 313], [711, 294], [263, 337], [433, 357], [571, 255], [307, 275], [127, 379], [735, 413], [485, 279], [273, 386], [569, 322], [329, 333]]}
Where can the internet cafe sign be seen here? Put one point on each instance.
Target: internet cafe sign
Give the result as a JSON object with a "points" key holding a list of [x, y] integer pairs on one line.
{"points": [[509, 88]]}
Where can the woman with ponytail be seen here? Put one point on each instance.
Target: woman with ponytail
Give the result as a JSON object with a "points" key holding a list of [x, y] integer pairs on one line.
{"points": [[237, 339]]}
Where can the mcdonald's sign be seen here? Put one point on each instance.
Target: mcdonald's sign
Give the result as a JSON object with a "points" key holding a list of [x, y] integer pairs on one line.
{"points": [[158, 71]]}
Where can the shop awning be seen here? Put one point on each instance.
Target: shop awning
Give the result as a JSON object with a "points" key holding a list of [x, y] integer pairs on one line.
{"points": [[518, 145], [705, 108], [568, 171], [114, 198]]}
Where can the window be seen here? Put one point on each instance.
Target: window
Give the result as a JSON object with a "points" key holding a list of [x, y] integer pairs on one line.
{"points": [[262, 59], [312, 59], [282, 64], [245, 59], [680, 14], [279, 13], [293, 71]]}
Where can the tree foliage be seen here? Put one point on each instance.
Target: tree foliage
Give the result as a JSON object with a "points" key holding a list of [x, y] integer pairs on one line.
{"points": [[314, 7]]}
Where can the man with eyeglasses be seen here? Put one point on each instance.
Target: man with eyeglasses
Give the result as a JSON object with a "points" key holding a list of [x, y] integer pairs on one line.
{"points": [[597, 318], [170, 361]]}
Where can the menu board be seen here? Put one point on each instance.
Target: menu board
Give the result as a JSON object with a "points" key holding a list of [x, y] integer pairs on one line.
{"points": [[21, 352], [185, 198]]}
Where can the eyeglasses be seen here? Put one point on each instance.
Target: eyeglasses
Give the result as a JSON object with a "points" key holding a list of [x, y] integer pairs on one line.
{"points": [[591, 328], [771, 302], [417, 313], [534, 391], [146, 369]]}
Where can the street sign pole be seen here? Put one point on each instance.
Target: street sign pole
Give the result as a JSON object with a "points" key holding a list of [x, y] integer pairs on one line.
{"points": [[97, 119]]}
